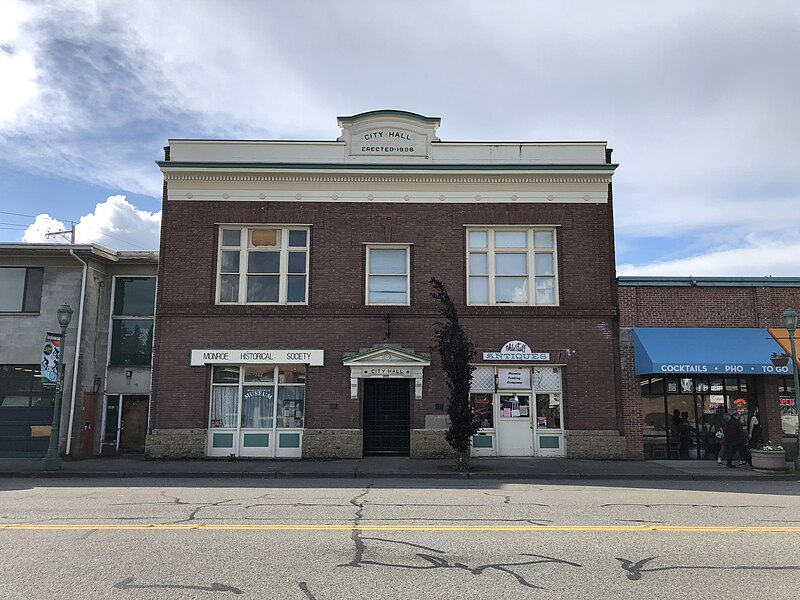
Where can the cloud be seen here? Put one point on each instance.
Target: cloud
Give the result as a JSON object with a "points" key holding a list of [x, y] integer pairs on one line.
{"points": [[695, 98], [115, 224], [761, 258], [17, 71]]}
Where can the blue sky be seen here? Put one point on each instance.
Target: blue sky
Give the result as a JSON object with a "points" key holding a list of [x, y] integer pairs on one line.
{"points": [[697, 98]]}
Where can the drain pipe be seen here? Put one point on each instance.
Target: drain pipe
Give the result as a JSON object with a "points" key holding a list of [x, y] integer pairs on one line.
{"points": [[77, 352]]}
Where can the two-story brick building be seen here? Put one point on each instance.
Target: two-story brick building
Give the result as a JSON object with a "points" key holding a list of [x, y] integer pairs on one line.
{"points": [[294, 313]]}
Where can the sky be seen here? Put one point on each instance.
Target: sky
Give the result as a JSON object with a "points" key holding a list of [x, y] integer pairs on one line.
{"points": [[699, 99]]}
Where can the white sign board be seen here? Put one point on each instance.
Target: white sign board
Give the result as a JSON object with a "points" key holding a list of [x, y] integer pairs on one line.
{"points": [[314, 358], [514, 378], [516, 350]]}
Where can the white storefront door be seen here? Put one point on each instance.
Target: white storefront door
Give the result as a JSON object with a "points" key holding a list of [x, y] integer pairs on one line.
{"points": [[514, 424]]}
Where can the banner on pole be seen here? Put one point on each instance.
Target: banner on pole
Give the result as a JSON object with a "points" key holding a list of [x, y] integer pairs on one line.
{"points": [[51, 358]]}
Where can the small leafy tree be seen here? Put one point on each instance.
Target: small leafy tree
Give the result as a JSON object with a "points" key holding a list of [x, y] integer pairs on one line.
{"points": [[457, 352]]}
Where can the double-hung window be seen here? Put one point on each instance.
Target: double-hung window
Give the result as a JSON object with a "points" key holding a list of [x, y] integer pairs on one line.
{"points": [[388, 269], [21, 289], [263, 265], [513, 265]]}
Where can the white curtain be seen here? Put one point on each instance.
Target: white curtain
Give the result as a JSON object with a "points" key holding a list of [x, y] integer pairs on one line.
{"points": [[225, 405]]}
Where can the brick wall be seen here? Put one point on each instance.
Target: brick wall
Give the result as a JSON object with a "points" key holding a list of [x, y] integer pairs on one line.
{"points": [[698, 306], [582, 330]]}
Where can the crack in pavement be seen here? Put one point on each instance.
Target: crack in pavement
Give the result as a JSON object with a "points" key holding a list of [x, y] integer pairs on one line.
{"points": [[304, 588], [634, 570], [355, 535], [697, 505], [127, 584], [439, 562]]}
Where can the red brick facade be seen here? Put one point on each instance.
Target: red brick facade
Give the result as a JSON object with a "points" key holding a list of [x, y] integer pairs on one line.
{"points": [[701, 302], [582, 329]]}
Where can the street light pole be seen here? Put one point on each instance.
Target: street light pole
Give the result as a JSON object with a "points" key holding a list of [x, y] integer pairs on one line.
{"points": [[789, 320], [51, 460]]}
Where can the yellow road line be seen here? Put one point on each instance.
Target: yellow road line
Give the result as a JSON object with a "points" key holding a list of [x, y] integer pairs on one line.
{"points": [[330, 527]]}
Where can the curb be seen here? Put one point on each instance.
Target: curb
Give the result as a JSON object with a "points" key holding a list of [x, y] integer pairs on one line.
{"points": [[424, 476]]}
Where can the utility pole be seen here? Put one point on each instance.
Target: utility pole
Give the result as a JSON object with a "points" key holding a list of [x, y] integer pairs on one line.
{"points": [[63, 234]]}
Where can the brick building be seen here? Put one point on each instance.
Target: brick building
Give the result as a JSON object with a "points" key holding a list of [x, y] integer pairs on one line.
{"points": [[703, 345], [294, 313]]}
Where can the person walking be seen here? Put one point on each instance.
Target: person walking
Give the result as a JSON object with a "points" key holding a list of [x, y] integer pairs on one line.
{"points": [[723, 441], [736, 442], [754, 430]]}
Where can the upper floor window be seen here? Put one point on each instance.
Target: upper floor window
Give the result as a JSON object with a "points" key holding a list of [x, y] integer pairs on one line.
{"points": [[21, 289], [263, 265], [388, 275], [132, 321], [512, 265]]}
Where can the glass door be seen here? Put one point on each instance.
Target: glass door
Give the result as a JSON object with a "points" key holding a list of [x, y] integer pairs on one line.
{"points": [[548, 427]]}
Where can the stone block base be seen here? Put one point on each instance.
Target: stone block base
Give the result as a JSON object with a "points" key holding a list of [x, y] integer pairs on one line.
{"points": [[333, 443], [430, 443], [595, 444], [176, 443]]}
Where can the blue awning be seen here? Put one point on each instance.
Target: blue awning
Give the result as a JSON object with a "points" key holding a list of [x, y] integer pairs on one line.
{"points": [[734, 351]]}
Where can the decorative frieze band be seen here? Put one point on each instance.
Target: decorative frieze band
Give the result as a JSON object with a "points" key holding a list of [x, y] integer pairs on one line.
{"points": [[406, 179]]}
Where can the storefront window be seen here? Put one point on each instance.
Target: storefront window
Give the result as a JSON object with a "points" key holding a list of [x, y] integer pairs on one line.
{"points": [[548, 411], [484, 413], [653, 414], [257, 406], [786, 397], [514, 406], [685, 413], [291, 405], [250, 391], [224, 406]]}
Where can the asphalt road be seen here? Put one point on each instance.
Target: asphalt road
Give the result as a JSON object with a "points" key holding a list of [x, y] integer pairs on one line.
{"points": [[325, 540]]}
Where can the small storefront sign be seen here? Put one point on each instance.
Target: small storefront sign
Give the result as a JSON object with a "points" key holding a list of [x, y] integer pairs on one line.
{"points": [[514, 378], [314, 358], [516, 350]]}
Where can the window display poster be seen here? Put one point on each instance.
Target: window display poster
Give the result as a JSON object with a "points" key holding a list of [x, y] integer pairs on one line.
{"points": [[510, 378]]}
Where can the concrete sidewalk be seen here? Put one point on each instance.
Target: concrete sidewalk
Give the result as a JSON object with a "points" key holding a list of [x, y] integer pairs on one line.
{"points": [[374, 467]]}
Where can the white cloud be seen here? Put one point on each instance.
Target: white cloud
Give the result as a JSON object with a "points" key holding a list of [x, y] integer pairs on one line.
{"points": [[17, 71], [695, 98], [115, 224], [763, 258], [44, 223]]}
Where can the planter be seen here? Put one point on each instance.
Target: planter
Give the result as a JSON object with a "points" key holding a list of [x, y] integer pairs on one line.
{"points": [[768, 462]]}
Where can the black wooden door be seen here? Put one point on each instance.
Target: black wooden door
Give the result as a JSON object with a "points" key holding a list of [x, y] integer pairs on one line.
{"points": [[387, 416]]}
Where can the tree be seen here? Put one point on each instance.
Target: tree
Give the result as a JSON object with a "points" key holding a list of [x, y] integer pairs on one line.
{"points": [[457, 352]]}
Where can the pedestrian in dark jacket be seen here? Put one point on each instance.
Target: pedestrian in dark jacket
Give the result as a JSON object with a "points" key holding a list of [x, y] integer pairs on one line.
{"points": [[737, 440]]}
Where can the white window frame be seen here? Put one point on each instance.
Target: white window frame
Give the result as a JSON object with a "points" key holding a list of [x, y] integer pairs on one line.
{"points": [[367, 274], [531, 251], [283, 269]]}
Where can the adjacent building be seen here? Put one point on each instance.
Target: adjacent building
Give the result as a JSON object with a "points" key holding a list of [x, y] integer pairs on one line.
{"points": [[703, 346], [294, 310], [107, 357]]}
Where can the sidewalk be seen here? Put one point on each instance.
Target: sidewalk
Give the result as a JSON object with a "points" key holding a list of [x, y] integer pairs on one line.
{"points": [[374, 467]]}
